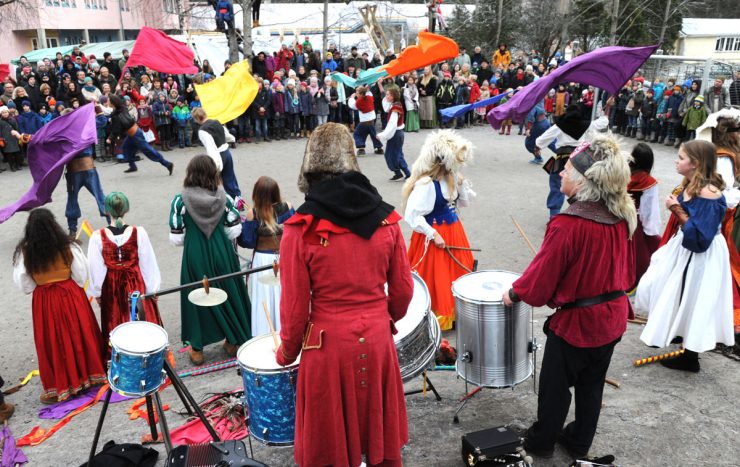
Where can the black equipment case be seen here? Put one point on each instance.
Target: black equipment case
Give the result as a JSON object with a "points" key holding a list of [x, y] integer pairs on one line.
{"points": [[494, 446]]}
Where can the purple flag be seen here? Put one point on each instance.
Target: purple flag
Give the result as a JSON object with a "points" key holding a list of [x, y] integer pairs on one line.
{"points": [[62, 409], [607, 68], [49, 150], [10, 454]]}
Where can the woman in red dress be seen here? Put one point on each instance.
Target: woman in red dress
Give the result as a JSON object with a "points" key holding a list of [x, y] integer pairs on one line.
{"points": [[336, 256], [122, 261], [52, 267]]}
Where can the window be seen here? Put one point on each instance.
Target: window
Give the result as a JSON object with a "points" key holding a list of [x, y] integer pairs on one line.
{"points": [[727, 44], [52, 42], [34, 44]]}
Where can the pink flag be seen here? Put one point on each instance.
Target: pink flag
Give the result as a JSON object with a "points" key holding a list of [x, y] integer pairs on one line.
{"points": [[160, 52]]}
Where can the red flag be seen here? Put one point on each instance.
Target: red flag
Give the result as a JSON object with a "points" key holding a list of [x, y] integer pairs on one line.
{"points": [[160, 52], [4, 71]]}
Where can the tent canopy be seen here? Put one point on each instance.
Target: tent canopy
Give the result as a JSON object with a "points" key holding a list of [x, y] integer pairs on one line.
{"points": [[96, 49]]}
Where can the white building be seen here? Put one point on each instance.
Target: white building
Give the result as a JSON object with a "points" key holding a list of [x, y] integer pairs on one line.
{"points": [[715, 38]]}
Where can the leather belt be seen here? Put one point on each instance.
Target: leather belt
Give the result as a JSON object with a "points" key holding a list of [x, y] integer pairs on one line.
{"points": [[271, 243], [591, 301]]}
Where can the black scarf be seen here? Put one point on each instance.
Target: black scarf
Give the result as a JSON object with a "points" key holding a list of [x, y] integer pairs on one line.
{"points": [[349, 201], [573, 124]]}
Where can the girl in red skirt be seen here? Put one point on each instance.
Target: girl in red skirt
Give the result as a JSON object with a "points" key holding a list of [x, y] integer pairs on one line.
{"points": [[122, 261], [431, 198], [50, 265]]}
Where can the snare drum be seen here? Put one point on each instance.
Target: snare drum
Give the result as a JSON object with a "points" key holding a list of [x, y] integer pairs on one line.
{"points": [[137, 358], [269, 390], [419, 335], [493, 342]]}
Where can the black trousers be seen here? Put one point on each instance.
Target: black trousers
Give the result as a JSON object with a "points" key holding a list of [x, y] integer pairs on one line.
{"points": [[2, 398], [563, 367]]}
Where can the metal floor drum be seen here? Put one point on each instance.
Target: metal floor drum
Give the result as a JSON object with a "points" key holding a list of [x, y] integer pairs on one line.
{"points": [[419, 335], [493, 343]]}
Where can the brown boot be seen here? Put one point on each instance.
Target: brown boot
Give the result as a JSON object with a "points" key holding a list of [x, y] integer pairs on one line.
{"points": [[6, 411], [196, 356], [49, 399], [230, 349]]}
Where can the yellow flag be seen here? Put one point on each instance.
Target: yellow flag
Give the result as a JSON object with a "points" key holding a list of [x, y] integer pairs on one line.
{"points": [[228, 96]]}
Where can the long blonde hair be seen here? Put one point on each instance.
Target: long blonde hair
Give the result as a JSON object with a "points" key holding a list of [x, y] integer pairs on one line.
{"points": [[442, 156], [265, 195]]}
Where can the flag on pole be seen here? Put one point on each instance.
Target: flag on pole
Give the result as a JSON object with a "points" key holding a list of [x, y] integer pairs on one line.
{"points": [[228, 96]]}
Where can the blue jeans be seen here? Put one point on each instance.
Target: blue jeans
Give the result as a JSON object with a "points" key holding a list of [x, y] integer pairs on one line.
{"points": [[394, 155], [137, 142], [231, 186], [75, 181], [183, 134], [361, 133], [260, 127], [555, 198]]}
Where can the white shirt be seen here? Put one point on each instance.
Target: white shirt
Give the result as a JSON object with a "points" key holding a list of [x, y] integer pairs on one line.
{"points": [[364, 116], [726, 171], [563, 139], [211, 149], [422, 198], [650, 211], [147, 260], [392, 125], [79, 270]]}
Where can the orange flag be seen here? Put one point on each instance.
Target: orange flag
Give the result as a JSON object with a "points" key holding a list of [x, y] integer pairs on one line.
{"points": [[431, 49]]}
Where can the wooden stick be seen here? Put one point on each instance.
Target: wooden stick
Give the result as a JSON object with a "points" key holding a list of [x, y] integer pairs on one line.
{"points": [[613, 382], [269, 323], [526, 239], [637, 321], [665, 356], [463, 248]]}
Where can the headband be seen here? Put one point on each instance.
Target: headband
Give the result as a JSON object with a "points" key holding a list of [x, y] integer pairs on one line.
{"points": [[582, 157]]}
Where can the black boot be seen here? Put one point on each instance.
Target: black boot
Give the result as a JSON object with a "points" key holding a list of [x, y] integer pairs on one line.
{"points": [[634, 132], [688, 361]]}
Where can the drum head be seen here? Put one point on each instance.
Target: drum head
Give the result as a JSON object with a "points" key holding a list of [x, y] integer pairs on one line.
{"points": [[484, 286], [257, 354], [418, 309], [139, 337]]}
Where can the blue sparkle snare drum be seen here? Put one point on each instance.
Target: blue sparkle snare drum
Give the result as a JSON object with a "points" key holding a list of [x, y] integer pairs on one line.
{"points": [[137, 358], [269, 390]]}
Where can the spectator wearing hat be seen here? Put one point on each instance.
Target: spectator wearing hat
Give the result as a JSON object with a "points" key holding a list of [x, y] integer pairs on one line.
{"points": [[89, 91], [181, 116], [29, 122], [674, 120], [329, 63], [355, 60], [389, 56], [261, 107], [695, 117], [462, 59], [445, 92], [10, 132]]}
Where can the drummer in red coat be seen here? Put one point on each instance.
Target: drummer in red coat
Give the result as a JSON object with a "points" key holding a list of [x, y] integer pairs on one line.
{"points": [[582, 270], [336, 255]]}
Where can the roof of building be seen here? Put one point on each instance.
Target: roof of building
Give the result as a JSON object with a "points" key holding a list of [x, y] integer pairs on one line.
{"points": [[710, 27]]}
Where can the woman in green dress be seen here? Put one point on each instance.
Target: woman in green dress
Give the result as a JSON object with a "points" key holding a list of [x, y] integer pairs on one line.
{"points": [[204, 220]]}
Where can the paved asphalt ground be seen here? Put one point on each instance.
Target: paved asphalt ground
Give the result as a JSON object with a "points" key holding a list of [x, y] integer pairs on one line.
{"points": [[658, 417]]}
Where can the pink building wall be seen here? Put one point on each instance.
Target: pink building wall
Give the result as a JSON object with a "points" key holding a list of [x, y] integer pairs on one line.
{"points": [[16, 35]]}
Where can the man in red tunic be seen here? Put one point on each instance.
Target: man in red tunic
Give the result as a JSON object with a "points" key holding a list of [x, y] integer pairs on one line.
{"points": [[336, 255], [582, 270]]}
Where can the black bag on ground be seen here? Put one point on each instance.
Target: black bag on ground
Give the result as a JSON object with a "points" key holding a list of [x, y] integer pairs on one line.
{"points": [[124, 455], [490, 446]]}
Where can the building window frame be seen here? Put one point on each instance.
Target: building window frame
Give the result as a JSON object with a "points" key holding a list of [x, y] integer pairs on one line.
{"points": [[727, 44]]}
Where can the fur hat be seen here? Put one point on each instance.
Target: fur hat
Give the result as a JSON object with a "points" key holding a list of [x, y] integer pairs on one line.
{"points": [[444, 147], [605, 172], [731, 116], [330, 149]]}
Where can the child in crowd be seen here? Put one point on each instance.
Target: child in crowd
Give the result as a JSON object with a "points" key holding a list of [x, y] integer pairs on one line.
{"points": [[101, 128], [695, 117], [181, 114], [292, 109], [687, 290], [506, 124], [485, 93], [261, 107], [278, 111], [306, 120], [411, 101], [162, 120]]}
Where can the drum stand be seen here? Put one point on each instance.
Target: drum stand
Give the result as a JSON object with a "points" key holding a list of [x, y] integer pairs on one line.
{"points": [[425, 382]]}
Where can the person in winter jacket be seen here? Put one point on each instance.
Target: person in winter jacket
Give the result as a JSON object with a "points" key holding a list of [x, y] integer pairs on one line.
{"points": [[181, 115], [278, 111], [292, 109], [695, 117], [445, 93], [261, 108], [674, 102], [647, 114], [717, 97], [162, 111], [29, 122], [307, 124]]}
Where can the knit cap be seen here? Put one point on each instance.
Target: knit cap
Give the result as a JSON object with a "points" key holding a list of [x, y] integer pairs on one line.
{"points": [[696, 99]]}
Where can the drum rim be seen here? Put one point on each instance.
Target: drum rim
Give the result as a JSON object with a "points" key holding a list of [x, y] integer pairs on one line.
{"points": [[472, 300], [426, 289], [119, 349], [263, 371], [132, 395], [530, 371], [437, 341]]}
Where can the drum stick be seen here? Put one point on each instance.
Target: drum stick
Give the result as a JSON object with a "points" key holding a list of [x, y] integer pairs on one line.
{"points": [[463, 248], [637, 321], [269, 323], [524, 236], [613, 382], [656, 358]]}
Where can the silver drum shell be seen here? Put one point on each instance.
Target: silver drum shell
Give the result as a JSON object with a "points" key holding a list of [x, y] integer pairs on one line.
{"points": [[497, 339]]}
